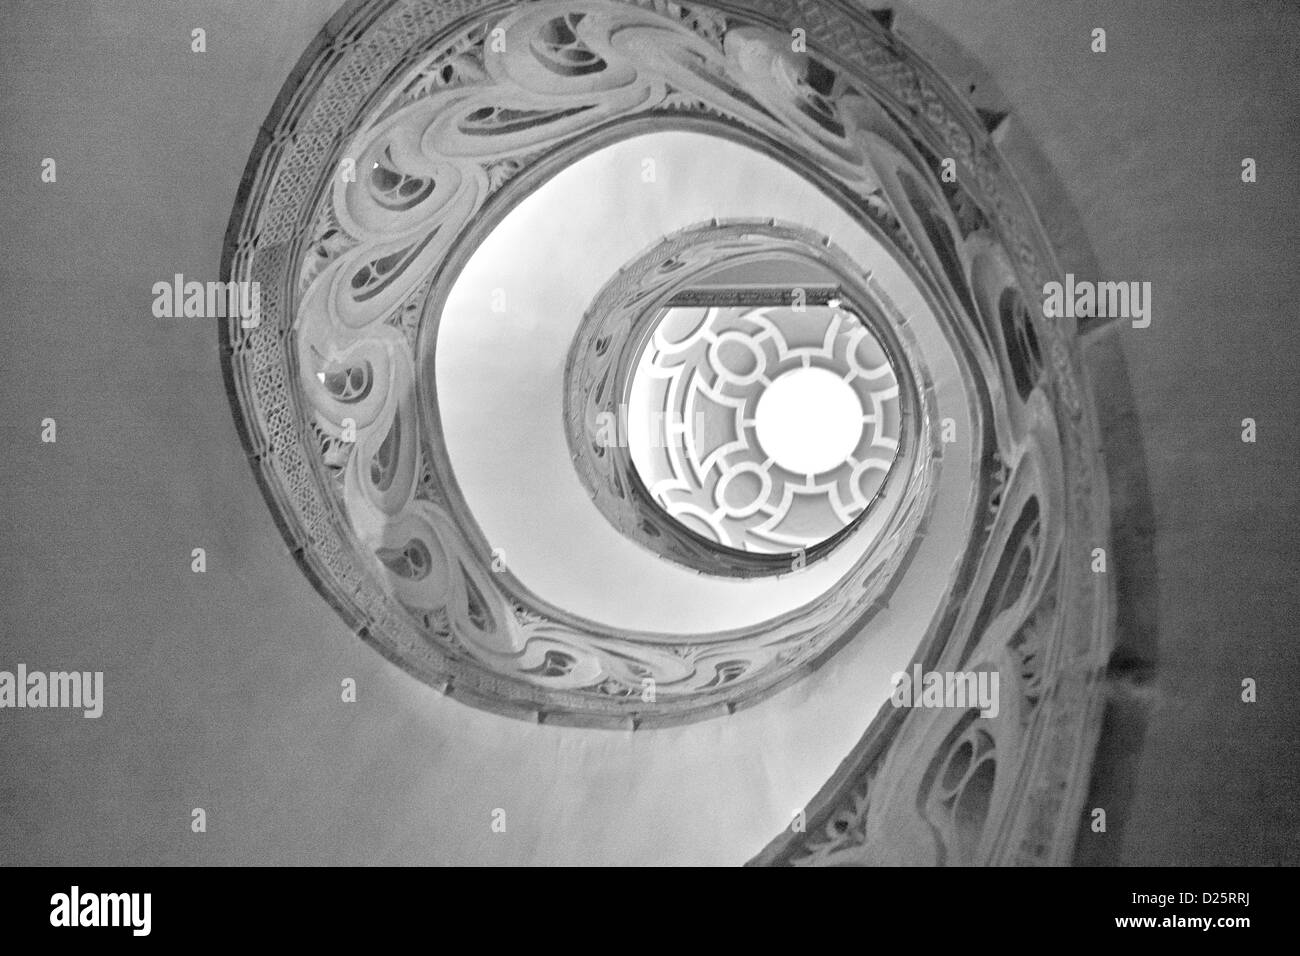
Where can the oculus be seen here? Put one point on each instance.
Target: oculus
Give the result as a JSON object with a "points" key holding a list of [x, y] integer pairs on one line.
{"points": [[713, 438], [782, 444]]}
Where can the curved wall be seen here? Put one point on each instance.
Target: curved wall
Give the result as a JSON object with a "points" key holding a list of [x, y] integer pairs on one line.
{"points": [[242, 665]]}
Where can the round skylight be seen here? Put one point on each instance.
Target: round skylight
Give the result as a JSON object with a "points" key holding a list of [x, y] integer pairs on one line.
{"points": [[809, 420]]}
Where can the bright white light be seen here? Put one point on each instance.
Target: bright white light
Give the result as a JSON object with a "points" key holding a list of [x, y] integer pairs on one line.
{"points": [[808, 420]]}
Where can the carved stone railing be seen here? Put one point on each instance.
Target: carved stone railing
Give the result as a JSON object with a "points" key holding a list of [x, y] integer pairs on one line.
{"points": [[412, 126]]}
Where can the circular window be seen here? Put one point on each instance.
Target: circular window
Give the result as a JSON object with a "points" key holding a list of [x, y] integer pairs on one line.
{"points": [[762, 428], [740, 390]]}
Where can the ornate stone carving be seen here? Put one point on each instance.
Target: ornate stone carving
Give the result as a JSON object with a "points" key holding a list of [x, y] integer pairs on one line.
{"points": [[440, 121]]}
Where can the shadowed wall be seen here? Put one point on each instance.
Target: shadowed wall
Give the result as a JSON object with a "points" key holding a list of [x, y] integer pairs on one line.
{"points": [[223, 688]]}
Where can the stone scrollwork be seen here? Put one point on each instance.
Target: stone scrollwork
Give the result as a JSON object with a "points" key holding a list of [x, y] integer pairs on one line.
{"points": [[412, 125]]}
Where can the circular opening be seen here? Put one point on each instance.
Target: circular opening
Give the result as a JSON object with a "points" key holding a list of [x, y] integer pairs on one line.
{"points": [[743, 408], [809, 421]]}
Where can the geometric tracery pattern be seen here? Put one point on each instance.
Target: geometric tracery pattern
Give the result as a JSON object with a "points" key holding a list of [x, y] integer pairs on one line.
{"points": [[702, 375]]}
